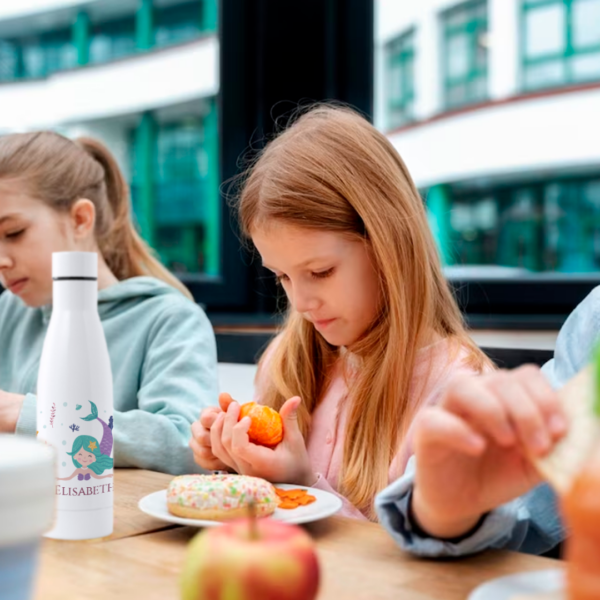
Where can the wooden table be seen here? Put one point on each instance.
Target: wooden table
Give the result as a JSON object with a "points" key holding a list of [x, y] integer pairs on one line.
{"points": [[143, 559]]}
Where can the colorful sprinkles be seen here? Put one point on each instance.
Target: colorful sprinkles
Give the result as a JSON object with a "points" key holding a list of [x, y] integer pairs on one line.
{"points": [[220, 492]]}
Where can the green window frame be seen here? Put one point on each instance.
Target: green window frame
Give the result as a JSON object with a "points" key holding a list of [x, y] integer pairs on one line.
{"points": [[111, 40], [400, 79], [465, 55], [152, 25], [11, 60], [174, 24], [174, 188], [37, 56], [181, 194], [572, 59], [541, 226]]}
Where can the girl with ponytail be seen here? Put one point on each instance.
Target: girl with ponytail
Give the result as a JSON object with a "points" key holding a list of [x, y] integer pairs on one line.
{"points": [[57, 195]]}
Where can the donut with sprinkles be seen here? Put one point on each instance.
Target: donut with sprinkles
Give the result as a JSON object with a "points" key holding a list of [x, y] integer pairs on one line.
{"points": [[220, 497]]}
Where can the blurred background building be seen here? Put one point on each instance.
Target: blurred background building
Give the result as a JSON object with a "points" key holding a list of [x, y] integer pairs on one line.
{"points": [[495, 107], [141, 75], [493, 104]]}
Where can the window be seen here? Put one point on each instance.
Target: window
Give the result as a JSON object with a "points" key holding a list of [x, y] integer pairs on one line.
{"points": [[178, 23], [41, 55], [112, 39], [465, 53], [175, 191], [181, 195], [561, 42], [400, 85], [11, 65], [552, 226]]}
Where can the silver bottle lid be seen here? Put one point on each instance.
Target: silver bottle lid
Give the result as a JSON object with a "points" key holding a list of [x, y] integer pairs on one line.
{"points": [[74, 265]]}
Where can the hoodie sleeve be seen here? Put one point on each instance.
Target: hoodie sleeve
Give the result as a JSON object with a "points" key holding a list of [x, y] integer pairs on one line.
{"points": [[528, 524], [178, 379], [576, 341]]}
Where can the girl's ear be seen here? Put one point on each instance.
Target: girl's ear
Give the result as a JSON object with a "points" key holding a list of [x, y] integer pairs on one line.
{"points": [[83, 218]]}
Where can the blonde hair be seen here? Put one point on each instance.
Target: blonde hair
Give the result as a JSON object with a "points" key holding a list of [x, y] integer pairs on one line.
{"points": [[60, 171], [332, 170]]}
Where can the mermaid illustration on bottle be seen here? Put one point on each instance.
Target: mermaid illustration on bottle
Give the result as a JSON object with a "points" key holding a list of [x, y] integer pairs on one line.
{"points": [[90, 458]]}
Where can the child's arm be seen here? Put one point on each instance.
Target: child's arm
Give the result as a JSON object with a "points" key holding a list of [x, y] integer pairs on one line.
{"points": [[67, 478], [527, 524], [576, 341], [178, 380], [470, 459]]}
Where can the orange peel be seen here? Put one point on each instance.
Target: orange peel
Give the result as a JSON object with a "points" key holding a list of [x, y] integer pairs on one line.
{"points": [[290, 499]]}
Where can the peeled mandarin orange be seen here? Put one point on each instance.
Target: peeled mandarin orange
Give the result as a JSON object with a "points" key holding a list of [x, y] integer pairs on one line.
{"points": [[266, 428]]}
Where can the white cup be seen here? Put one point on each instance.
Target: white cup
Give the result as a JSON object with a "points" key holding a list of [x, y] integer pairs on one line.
{"points": [[27, 496]]}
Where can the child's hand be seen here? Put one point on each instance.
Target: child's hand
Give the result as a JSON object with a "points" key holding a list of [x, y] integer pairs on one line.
{"points": [[10, 409], [288, 462], [471, 450], [200, 440]]}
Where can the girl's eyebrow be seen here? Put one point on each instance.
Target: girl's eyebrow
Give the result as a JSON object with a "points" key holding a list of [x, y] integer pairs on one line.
{"points": [[8, 217], [305, 263]]}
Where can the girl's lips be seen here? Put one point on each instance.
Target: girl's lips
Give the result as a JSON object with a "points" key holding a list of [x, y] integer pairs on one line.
{"points": [[324, 323], [17, 286]]}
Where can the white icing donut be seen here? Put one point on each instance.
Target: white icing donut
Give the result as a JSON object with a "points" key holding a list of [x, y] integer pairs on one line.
{"points": [[220, 497]]}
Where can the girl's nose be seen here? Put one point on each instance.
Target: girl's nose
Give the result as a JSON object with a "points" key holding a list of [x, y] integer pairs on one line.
{"points": [[5, 261], [304, 301]]}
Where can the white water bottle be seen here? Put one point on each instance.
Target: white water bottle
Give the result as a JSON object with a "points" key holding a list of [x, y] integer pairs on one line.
{"points": [[75, 401]]}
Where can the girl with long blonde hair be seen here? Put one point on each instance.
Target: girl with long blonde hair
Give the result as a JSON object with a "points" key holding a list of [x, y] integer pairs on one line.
{"points": [[58, 194], [372, 333]]}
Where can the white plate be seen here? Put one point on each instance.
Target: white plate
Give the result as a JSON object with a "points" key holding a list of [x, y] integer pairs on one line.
{"points": [[531, 582], [326, 504]]}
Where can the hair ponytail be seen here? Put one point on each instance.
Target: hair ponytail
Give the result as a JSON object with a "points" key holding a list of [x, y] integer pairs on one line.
{"points": [[124, 251], [59, 172]]}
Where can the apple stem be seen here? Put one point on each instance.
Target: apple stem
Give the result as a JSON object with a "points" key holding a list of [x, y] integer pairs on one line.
{"points": [[252, 514]]}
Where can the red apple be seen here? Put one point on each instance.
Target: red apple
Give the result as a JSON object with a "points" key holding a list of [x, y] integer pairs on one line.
{"points": [[263, 559]]}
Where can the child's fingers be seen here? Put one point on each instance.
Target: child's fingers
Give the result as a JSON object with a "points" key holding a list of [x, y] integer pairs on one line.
{"points": [[208, 416], [542, 394], [240, 438], [472, 399], [229, 422], [201, 435], [200, 451], [438, 427], [241, 448], [204, 457], [525, 415], [224, 401], [216, 431]]}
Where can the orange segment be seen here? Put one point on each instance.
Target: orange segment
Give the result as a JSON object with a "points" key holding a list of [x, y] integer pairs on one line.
{"points": [[266, 428]]}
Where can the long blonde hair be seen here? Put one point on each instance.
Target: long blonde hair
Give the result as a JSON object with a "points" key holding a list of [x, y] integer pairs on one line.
{"points": [[332, 170], [60, 171]]}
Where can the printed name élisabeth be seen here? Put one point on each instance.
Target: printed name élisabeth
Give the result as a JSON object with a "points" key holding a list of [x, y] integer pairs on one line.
{"points": [[84, 491]]}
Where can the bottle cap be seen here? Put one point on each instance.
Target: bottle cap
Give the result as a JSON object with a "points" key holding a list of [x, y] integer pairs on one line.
{"points": [[74, 265]]}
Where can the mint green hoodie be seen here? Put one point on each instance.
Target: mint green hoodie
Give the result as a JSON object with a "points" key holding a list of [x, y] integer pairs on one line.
{"points": [[164, 364]]}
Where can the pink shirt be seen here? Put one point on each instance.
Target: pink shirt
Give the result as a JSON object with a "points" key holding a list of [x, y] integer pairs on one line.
{"points": [[326, 438]]}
